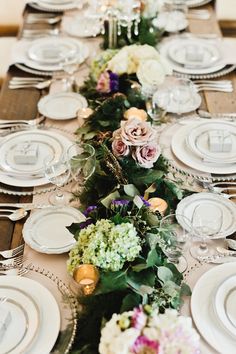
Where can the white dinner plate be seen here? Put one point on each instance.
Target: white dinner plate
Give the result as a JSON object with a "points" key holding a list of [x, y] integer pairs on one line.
{"points": [[183, 152], [46, 232], [166, 99], [83, 27], [55, 2], [187, 206], [179, 52], [49, 143], [25, 320], [165, 48], [198, 140], [224, 304], [54, 42], [49, 312], [193, 3], [171, 21], [61, 105], [202, 309], [50, 51], [73, 4]]}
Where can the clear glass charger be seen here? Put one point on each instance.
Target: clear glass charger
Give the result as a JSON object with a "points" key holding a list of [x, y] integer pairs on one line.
{"points": [[66, 301]]}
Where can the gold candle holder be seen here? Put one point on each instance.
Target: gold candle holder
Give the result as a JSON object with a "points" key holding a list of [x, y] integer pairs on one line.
{"points": [[87, 277]]}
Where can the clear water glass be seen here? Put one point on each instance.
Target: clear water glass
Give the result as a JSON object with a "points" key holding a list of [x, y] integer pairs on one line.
{"points": [[207, 222], [82, 162], [176, 238], [57, 172], [70, 63]]}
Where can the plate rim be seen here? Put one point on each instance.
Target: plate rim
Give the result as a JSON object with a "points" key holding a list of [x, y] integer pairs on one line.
{"points": [[226, 202], [27, 229]]}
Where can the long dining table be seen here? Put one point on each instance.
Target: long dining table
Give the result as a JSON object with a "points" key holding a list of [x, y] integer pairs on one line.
{"points": [[22, 104]]}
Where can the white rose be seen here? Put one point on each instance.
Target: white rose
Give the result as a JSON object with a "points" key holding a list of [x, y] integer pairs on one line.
{"points": [[151, 72], [119, 63]]}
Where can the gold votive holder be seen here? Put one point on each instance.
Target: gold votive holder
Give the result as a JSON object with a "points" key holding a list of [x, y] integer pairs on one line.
{"points": [[84, 113], [86, 277]]}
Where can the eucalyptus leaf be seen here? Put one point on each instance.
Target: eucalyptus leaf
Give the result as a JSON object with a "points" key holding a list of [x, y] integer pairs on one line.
{"points": [[107, 201], [136, 279], [185, 290], [138, 202], [153, 258], [131, 190], [130, 301], [164, 274], [174, 189], [112, 281]]}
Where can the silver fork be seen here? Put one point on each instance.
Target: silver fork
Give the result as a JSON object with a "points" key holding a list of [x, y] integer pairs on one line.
{"points": [[15, 262], [13, 252], [27, 79], [49, 20], [20, 272], [214, 87]]}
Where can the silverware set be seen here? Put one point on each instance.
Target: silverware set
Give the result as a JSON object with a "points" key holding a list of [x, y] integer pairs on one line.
{"points": [[198, 15], [13, 264], [49, 19], [219, 85], [37, 33], [40, 19], [215, 187], [29, 82], [12, 253]]}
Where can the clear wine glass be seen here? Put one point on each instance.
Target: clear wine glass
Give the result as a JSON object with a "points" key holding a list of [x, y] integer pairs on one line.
{"points": [[70, 62], [175, 239], [57, 172], [207, 222], [82, 162]]}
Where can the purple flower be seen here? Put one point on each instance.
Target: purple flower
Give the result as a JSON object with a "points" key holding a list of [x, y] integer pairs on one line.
{"points": [[145, 202], [145, 345], [89, 210], [108, 82], [85, 223], [138, 319], [119, 202]]}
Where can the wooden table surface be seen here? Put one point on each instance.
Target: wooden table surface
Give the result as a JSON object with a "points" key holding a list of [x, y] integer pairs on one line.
{"points": [[22, 104]]}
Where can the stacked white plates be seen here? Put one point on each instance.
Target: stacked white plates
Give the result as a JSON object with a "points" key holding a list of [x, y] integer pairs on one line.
{"points": [[35, 316], [45, 54], [215, 316], [190, 144], [192, 55], [172, 21], [29, 175], [187, 206], [46, 230]]}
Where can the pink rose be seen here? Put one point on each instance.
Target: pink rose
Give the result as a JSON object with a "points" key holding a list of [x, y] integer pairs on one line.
{"points": [[119, 148], [103, 84], [146, 155], [135, 132]]}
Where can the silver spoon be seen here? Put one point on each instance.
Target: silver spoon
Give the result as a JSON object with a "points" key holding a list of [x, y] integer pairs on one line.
{"points": [[225, 252], [16, 215]]}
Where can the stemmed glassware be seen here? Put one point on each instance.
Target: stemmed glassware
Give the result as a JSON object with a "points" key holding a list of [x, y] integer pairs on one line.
{"points": [[175, 238], [82, 163], [69, 62], [57, 172], [207, 222]]}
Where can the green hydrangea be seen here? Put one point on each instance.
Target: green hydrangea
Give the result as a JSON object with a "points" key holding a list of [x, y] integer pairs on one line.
{"points": [[105, 245], [99, 64]]}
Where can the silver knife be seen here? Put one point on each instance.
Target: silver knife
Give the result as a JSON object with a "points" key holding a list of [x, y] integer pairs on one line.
{"points": [[26, 206]]}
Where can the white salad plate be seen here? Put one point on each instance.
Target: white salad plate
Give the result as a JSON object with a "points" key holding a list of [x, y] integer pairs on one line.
{"points": [[82, 27], [224, 304], [25, 320], [168, 47], [198, 140], [21, 175], [41, 52], [171, 21], [185, 154], [53, 6], [179, 52], [47, 51], [203, 312], [61, 105], [167, 100], [49, 325], [187, 206], [45, 230], [193, 3]]}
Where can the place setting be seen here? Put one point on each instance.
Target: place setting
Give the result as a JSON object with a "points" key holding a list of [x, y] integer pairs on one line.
{"points": [[49, 55], [201, 148], [57, 5], [197, 57]]}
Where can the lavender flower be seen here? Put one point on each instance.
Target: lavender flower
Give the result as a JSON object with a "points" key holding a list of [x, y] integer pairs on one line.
{"points": [[85, 223], [145, 202], [89, 209], [119, 202]]}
